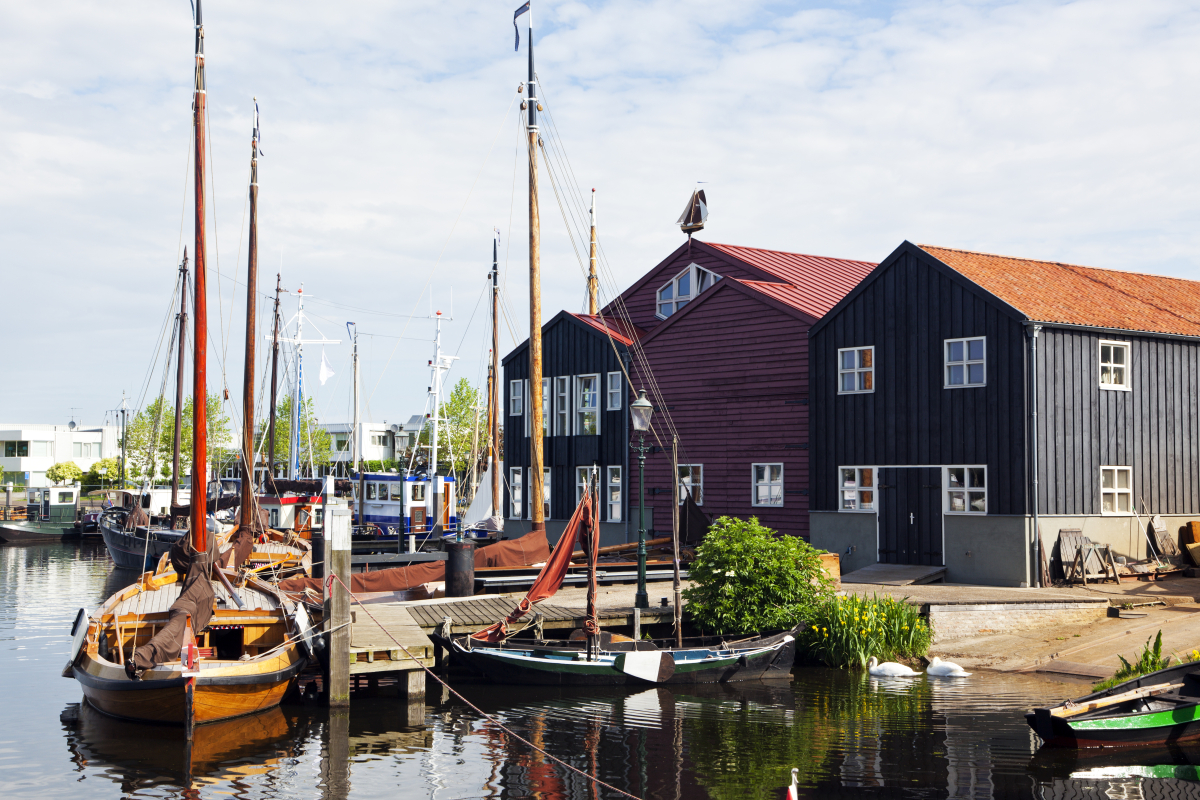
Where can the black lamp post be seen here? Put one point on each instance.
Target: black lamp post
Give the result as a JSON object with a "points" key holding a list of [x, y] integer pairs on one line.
{"points": [[641, 410]]}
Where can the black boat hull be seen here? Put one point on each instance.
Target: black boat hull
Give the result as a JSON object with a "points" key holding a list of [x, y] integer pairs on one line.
{"points": [[130, 550]]}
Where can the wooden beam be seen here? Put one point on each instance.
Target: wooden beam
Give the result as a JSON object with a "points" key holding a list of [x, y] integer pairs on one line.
{"points": [[1104, 702]]}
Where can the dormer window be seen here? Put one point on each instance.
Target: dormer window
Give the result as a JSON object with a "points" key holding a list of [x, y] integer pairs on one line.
{"points": [[684, 287]]}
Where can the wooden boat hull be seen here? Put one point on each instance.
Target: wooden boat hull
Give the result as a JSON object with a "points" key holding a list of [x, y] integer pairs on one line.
{"points": [[22, 532], [129, 549], [762, 660], [1127, 724], [161, 699]]}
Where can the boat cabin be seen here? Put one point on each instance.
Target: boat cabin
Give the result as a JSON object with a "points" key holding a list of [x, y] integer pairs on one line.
{"points": [[53, 503], [299, 513], [405, 505]]}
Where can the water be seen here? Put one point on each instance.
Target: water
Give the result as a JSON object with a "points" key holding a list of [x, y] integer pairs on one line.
{"points": [[849, 736]]}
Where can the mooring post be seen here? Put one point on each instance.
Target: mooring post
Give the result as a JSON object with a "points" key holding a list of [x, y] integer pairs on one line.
{"points": [[637, 624], [338, 520], [335, 756], [460, 569], [8, 500], [189, 709]]}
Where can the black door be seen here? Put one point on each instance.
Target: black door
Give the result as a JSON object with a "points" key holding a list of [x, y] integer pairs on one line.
{"points": [[910, 516]]}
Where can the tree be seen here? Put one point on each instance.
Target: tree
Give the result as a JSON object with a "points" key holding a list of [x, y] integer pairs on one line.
{"points": [[64, 472], [314, 440], [458, 419], [160, 413], [94, 479]]}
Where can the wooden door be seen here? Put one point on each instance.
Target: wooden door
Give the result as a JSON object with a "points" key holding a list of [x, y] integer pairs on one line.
{"points": [[910, 516]]}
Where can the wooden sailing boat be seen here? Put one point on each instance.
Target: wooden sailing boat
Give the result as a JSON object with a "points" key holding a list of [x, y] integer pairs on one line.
{"points": [[185, 646]]}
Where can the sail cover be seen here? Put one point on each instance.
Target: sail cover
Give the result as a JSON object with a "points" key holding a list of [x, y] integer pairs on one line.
{"points": [[480, 516]]}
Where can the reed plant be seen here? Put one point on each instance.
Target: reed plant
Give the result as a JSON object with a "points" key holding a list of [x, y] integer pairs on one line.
{"points": [[847, 631], [1150, 660]]}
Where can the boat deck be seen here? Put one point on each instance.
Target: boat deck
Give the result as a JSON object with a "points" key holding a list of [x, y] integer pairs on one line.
{"points": [[159, 601]]}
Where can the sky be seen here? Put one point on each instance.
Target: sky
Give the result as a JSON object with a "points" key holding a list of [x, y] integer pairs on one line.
{"points": [[392, 151]]}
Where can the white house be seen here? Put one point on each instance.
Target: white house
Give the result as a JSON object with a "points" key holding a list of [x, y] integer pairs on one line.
{"points": [[380, 442], [28, 450]]}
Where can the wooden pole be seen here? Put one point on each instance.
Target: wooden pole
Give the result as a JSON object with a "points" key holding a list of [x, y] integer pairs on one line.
{"points": [[275, 368], [593, 280], [182, 326], [338, 548], [536, 500], [199, 495], [248, 517]]}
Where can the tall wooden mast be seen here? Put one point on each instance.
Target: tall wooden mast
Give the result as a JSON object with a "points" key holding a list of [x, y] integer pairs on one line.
{"points": [[248, 517], [536, 511], [593, 281], [199, 494], [494, 396], [182, 327], [274, 383]]}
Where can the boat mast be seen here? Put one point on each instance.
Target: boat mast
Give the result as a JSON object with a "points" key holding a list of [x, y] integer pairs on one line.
{"points": [[274, 383], [436, 391], [593, 281], [182, 326], [294, 438], [248, 517], [494, 397], [357, 451], [536, 500], [199, 494]]}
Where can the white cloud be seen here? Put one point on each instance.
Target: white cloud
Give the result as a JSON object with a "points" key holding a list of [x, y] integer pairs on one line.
{"points": [[1045, 129]]}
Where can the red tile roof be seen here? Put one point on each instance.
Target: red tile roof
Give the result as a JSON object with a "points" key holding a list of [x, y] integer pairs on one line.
{"points": [[1050, 291], [812, 284], [619, 330]]}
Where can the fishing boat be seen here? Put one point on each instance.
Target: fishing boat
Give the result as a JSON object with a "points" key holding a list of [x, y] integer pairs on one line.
{"points": [[47, 516], [244, 662], [1159, 708], [597, 658]]}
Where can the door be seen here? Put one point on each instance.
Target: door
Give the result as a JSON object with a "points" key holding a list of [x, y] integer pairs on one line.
{"points": [[910, 516]]}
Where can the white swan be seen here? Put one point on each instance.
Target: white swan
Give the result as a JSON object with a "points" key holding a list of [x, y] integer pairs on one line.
{"points": [[794, 789], [889, 669], [946, 669]]}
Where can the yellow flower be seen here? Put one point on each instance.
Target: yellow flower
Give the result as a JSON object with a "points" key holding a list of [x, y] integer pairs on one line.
{"points": [[814, 627]]}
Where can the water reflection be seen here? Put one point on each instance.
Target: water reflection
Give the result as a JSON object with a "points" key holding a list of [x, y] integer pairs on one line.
{"points": [[848, 735]]}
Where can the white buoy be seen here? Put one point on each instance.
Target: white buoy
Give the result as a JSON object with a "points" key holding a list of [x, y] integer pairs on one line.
{"points": [[946, 669], [889, 669]]}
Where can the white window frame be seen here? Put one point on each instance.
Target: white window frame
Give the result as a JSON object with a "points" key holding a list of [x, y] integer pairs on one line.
{"points": [[516, 492], [516, 399], [582, 474], [964, 477], [581, 409], [546, 493], [858, 370], [755, 483], [690, 483], [562, 405], [677, 301], [865, 481], [1116, 491], [966, 362], [1128, 348], [546, 406], [525, 406], [616, 388], [615, 493]]}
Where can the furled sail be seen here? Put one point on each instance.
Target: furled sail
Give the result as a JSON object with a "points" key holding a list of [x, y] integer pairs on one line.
{"points": [[480, 515]]}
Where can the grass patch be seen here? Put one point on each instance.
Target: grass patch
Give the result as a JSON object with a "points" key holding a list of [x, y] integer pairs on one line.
{"points": [[847, 631]]}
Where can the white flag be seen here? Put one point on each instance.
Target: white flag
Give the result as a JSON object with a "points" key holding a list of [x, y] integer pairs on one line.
{"points": [[326, 371]]}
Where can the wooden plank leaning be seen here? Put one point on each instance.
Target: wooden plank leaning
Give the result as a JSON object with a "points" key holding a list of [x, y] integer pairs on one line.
{"points": [[1104, 702]]}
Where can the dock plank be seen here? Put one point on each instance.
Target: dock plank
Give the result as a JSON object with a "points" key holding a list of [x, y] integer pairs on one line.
{"points": [[895, 574]]}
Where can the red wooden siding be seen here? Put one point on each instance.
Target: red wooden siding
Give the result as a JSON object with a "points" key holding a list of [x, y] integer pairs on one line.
{"points": [[733, 373]]}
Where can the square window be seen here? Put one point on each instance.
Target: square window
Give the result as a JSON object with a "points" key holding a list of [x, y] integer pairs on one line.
{"points": [[1116, 490], [965, 489], [767, 488], [691, 479], [1114, 365], [858, 485], [856, 370], [966, 362]]}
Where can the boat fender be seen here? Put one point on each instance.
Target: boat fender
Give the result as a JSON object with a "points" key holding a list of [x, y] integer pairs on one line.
{"points": [[303, 627], [655, 666], [78, 636]]}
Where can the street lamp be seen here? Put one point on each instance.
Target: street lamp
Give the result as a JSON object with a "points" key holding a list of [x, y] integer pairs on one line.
{"points": [[641, 410]]}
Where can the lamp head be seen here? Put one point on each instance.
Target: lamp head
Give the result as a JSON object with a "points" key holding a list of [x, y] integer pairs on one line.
{"points": [[641, 410]]}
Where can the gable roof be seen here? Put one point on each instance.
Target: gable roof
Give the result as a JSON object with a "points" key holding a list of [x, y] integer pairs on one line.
{"points": [[817, 282], [623, 332], [1051, 291]]}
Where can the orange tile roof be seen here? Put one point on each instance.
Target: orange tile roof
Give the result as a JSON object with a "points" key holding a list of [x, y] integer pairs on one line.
{"points": [[1050, 291]]}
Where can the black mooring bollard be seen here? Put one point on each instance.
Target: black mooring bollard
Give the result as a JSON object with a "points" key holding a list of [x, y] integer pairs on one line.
{"points": [[460, 569]]}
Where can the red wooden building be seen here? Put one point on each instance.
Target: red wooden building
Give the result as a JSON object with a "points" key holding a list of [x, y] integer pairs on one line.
{"points": [[726, 338]]}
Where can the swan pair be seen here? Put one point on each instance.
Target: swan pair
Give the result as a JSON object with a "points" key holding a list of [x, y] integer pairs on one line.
{"points": [[890, 669]]}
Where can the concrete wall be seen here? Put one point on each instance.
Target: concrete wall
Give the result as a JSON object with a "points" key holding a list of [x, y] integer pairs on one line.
{"points": [[836, 531], [973, 619], [987, 550], [1126, 535]]}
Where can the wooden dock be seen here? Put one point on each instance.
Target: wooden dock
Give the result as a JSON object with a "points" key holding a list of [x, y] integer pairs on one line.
{"points": [[469, 614]]}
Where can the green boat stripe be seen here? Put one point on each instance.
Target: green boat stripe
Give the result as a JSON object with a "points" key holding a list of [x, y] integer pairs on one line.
{"points": [[1152, 719]]}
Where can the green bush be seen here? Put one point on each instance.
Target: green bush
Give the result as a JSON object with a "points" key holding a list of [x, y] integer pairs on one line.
{"points": [[64, 472], [1151, 660], [847, 631], [746, 578]]}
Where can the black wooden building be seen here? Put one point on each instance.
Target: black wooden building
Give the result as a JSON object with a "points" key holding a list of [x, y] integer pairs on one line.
{"points": [[925, 382], [585, 402]]}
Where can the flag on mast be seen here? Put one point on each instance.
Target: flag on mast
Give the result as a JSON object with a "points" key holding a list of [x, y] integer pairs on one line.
{"points": [[257, 129], [326, 371], [516, 30]]}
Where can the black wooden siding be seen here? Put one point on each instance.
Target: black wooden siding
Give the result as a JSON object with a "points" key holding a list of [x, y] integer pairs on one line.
{"points": [[1152, 428], [569, 347], [906, 310]]}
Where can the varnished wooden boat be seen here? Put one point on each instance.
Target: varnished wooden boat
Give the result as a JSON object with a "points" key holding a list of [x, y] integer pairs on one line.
{"points": [[249, 657]]}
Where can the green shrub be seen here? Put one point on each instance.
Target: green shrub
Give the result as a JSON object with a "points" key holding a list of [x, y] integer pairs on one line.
{"points": [[847, 631], [64, 472], [1151, 660], [746, 578]]}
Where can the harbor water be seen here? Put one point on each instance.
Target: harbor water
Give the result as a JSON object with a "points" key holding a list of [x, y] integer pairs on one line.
{"points": [[848, 735]]}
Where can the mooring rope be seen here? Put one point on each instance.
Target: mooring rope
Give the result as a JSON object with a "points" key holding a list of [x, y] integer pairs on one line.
{"points": [[471, 705]]}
